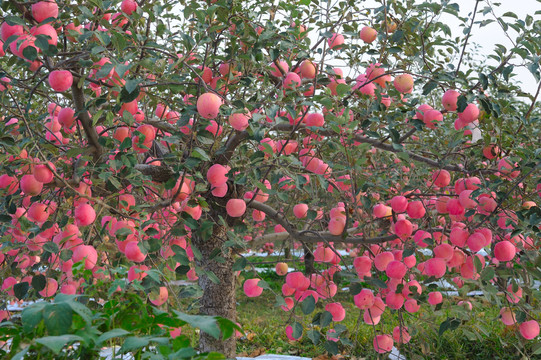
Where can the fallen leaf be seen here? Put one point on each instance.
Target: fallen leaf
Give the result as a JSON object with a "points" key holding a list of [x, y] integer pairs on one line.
{"points": [[322, 357], [257, 352]]}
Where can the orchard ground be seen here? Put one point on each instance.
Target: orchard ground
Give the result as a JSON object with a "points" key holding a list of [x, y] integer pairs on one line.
{"points": [[481, 336]]}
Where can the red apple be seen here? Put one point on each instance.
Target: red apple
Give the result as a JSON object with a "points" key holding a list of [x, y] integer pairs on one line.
{"points": [[60, 80]]}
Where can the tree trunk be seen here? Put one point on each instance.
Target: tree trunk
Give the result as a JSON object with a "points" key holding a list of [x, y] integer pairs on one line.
{"points": [[308, 261], [218, 298], [287, 252]]}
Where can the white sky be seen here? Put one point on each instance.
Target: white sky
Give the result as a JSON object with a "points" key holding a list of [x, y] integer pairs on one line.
{"points": [[486, 37], [492, 34]]}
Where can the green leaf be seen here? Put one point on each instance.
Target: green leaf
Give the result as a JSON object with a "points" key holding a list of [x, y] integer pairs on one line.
{"points": [[240, 264], [84, 312], [205, 138], [461, 103], [521, 316], [508, 70], [510, 14], [32, 316], [376, 282], [51, 247], [297, 330], [279, 301], [470, 335], [486, 105], [14, 20], [21, 289], [180, 255], [182, 269], [477, 263], [488, 274], [263, 284], [536, 349], [200, 153], [104, 70], [103, 37], [274, 54], [446, 29], [342, 89], [331, 347], [196, 253], [395, 135], [153, 244], [308, 305], [183, 353], [126, 144], [56, 343], [74, 152], [398, 37], [449, 324], [206, 323], [123, 231], [119, 41], [483, 79], [325, 319], [154, 275], [111, 334], [206, 230], [114, 182], [212, 277], [58, 318], [30, 53], [408, 252], [126, 97], [339, 329], [133, 343], [96, 50], [429, 86], [227, 327], [314, 335], [21, 354], [42, 42], [131, 85]]}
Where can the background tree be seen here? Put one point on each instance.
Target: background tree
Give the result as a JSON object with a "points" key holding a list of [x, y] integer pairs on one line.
{"points": [[142, 135]]}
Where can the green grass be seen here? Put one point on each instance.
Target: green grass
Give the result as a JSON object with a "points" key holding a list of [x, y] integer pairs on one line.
{"points": [[481, 335]]}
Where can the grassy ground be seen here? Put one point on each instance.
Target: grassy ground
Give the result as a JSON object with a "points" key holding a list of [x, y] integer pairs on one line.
{"points": [[481, 334], [264, 325]]}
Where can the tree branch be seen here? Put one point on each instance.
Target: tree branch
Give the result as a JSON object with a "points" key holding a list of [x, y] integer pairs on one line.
{"points": [[387, 147], [226, 152], [162, 125], [467, 37], [86, 121], [157, 173], [532, 106], [310, 236]]}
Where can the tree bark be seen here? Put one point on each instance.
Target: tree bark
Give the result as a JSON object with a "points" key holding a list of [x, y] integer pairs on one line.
{"points": [[308, 261], [218, 298]]}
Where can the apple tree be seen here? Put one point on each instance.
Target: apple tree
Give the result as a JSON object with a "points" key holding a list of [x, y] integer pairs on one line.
{"points": [[166, 138]]}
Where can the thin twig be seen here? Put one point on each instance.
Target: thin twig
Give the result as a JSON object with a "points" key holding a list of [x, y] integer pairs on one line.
{"points": [[467, 37]]}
